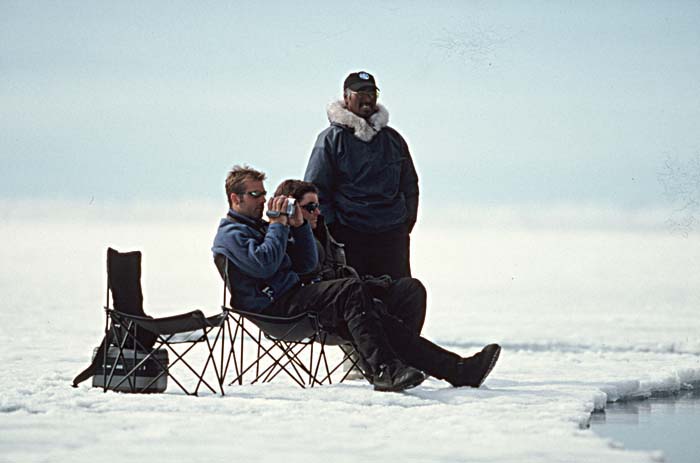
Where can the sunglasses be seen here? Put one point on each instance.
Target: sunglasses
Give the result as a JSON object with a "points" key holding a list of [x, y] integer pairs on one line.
{"points": [[254, 193], [310, 207], [369, 93]]}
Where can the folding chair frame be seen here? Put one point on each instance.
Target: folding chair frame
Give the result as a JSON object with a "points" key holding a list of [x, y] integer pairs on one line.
{"points": [[122, 329]]}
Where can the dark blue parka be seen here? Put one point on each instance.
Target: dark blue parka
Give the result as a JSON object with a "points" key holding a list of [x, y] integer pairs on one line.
{"points": [[364, 172], [266, 258]]}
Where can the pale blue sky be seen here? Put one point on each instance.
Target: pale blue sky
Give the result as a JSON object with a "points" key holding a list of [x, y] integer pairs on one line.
{"points": [[501, 102]]}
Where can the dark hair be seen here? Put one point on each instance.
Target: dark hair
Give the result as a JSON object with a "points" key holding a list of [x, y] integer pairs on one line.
{"points": [[235, 180], [295, 188]]}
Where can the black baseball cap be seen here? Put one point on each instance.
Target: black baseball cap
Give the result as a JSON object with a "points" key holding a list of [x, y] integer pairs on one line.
{"points": [[358, 81]]}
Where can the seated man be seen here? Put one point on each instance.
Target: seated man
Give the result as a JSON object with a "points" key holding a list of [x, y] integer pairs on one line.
{"points": [[267, 259]]}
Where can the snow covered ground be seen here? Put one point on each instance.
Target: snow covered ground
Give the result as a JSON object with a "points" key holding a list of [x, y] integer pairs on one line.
{"points": [[590, 306]]}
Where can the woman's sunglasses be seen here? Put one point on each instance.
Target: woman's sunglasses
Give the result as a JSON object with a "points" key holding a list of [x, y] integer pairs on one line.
{"points": [[310, 207]]}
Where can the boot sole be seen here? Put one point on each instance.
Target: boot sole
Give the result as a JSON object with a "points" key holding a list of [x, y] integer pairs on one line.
{"points": [[494, 359]]}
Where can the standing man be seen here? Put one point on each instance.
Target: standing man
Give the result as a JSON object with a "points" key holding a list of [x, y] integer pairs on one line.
{"points": [[368, 187]]}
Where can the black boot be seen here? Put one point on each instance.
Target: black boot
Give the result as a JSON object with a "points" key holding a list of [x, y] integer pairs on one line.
{"points": [[396, 376], [472, 371]]}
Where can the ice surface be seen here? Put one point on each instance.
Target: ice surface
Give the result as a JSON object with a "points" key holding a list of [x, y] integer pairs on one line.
{"points": [[586, 314]]}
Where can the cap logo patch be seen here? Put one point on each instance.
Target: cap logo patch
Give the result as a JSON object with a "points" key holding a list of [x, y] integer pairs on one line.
{"points": [[363, 76]]}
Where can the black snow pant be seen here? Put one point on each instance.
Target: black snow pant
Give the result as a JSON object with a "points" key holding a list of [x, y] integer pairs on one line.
{"points": [[405, 299], [346, 306]]}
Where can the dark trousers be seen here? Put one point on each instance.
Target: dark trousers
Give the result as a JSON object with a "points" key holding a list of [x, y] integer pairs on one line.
{"points": [[405, 299], [347, 306], [385, 253]]}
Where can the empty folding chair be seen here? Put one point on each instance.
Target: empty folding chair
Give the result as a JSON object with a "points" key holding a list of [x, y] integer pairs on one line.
{"points": [[133, 356], [295, 346]]}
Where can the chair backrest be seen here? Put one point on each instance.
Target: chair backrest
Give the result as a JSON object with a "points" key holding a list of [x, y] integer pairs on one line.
{"points": [[221, 262], [124, 281]]}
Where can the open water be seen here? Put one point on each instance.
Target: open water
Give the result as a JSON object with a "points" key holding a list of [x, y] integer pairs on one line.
{"points": [[670, 424]]}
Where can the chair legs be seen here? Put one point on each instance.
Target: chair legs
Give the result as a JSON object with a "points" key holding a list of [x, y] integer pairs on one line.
{"points": [[286, 360], [305, 362]]}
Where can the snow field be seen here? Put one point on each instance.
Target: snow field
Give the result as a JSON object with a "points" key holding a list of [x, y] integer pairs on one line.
{"points": [[585, 314]]}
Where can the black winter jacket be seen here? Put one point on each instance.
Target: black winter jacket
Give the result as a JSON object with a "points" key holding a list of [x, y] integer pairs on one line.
{"points": [[331, 257], [364, 172]]}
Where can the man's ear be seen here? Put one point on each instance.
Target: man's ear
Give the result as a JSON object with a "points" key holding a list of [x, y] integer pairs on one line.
{"points": [[235, 200]]}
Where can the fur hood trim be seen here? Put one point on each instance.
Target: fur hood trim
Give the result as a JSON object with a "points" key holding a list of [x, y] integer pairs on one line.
{"points": [[364, 130]]}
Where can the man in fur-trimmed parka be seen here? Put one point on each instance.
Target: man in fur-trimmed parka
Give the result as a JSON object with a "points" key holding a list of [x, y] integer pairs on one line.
{"points": [[368, 186]]}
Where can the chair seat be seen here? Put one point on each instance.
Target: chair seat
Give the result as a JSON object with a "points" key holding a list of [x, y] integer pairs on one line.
{"points": [[186, 322], [299, 328]]}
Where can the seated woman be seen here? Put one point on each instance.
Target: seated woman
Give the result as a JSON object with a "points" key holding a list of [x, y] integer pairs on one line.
{"points": [[332, 263]]}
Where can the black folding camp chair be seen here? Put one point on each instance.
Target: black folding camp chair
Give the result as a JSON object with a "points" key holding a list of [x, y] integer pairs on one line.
{"points": [[134, 342], [282, 343]]}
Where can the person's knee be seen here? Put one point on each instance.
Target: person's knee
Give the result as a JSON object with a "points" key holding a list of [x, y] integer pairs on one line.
{"points": [[419, 289], [411, 287], [413, 296]]}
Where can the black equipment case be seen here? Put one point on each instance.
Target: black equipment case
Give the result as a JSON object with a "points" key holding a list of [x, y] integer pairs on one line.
{"points": [[143, 380]]}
